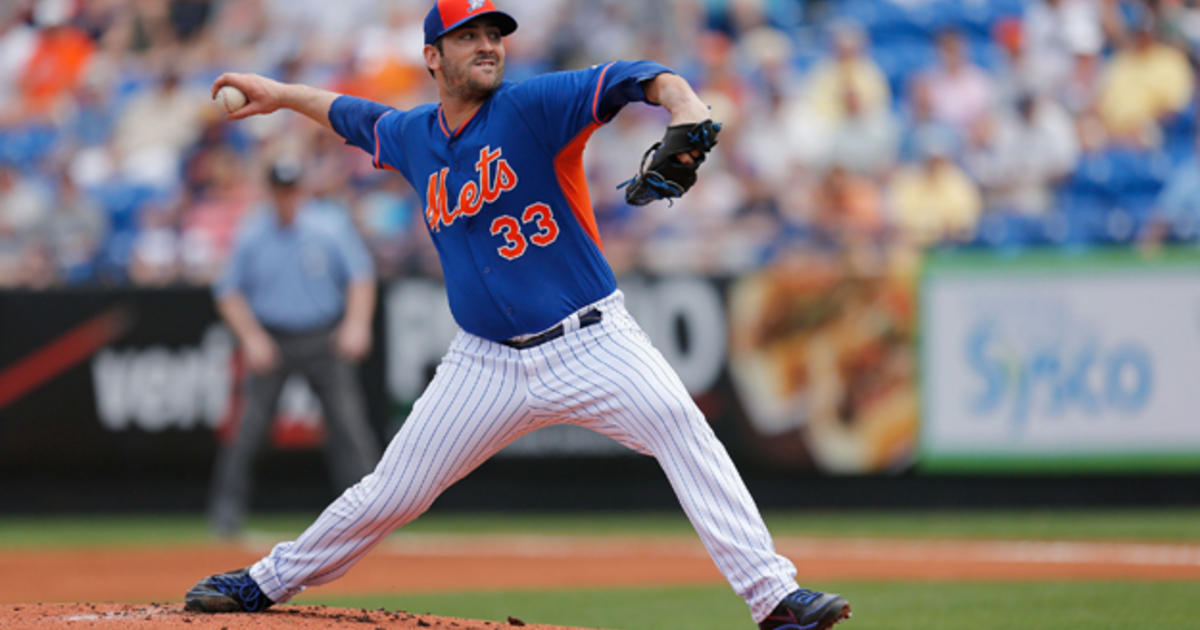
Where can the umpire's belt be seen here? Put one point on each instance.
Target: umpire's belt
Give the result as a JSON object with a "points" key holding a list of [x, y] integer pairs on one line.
{"points": [[592, 316]]}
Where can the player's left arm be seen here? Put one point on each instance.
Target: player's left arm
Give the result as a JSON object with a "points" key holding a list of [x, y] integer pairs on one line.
{"points": [[676, 95], [669, 167]]}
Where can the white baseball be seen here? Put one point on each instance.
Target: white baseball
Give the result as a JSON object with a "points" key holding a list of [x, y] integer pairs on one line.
{"points": [[231, 98]]}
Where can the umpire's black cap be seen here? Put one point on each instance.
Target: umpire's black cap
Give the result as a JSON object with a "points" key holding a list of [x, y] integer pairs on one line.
{"points": [[285, 173]]}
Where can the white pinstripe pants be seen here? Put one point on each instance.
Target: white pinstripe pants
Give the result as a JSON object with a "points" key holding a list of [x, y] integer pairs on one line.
{"points": [[606, 377]]}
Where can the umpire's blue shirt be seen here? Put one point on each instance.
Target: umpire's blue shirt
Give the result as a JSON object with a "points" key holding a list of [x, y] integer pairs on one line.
{"points": [[294, 277]]}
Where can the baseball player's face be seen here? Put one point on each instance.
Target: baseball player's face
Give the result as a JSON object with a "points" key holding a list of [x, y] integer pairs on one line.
{"points": [[472, 60]]}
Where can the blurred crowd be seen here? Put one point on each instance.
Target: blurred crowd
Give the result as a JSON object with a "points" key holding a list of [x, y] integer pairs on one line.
{"points": [[855, 130]]}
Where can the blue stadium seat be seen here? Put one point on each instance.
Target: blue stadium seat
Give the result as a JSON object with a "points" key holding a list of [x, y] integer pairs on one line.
{"points": [[1120, 227], [1179, 133], [1136, 171], [901, 58], [123, 202], [1005, 231], [25, 146], [1091, 175]]}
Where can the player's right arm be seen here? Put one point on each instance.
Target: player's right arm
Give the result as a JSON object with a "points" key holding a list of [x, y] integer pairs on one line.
{"points": [[355, 119], [265, 95]]}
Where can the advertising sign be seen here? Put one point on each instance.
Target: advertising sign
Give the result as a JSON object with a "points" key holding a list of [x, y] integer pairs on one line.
{"points": [[1053, 362], [808, 368]]}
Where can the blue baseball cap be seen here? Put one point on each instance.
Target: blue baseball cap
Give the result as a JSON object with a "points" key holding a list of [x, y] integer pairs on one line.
{"points": [[447, 15]]}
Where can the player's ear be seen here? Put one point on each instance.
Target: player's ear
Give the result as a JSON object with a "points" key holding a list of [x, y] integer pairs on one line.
{"points": [[433, 58]]}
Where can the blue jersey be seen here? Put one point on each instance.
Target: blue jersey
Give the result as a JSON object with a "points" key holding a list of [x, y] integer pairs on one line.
{"points": [[505, 195]]}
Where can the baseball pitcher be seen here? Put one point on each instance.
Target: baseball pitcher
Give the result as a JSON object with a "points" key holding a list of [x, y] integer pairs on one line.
{"points": [[545, 337]]}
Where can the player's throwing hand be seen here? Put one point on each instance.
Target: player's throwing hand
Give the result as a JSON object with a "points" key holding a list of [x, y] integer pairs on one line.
{"points": [[263, 95]]}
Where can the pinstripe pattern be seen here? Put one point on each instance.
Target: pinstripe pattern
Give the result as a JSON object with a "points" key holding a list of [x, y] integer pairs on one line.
{"points": [[608, 378]]}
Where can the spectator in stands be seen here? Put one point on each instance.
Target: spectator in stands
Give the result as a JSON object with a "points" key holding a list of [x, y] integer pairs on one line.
{"points": [[155, 128], [58, 60], [299, 292], [960, 91], [389, 70], [849, 71], [864, 140], [724, 77], [188, 18], [1017, 156], [1079, 90], [92, 115], [24, 204], [12, 247], [849, 208], [1144, 82], [17, 42], [921, 127], [36, 269], [155, 259], [209, 219], [934, 201], [74, 232], [795, 112], [1057, 30], [324, 30], [849, 102], [1181, 26], [777, 136], [1022, 71], [24, 210]]}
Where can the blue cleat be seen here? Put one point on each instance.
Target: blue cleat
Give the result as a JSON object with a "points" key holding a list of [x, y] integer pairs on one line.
{"points": [[233, 591], [807, 610]]}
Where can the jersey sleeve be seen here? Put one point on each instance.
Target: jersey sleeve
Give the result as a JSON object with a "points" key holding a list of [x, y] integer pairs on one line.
{"points": [[568, 102], [363, 123]]}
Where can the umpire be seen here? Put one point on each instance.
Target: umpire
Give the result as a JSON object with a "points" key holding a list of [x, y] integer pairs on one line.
{"points": [[299, 292]]}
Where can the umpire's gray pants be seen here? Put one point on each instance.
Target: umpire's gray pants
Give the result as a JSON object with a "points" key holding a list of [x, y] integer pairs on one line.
{"points": [[351, 446]]}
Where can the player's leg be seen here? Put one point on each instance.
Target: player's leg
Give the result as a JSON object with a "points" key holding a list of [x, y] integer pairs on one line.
{"points": [[352, 448], [611, 379], [474, 406], [233, 470]]}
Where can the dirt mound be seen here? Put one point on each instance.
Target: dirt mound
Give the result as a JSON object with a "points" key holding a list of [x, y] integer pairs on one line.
{"points": [[39, 616]]}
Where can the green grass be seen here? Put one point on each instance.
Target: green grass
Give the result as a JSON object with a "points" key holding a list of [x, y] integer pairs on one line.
{"points": [[876, 605], [1179, 525]]}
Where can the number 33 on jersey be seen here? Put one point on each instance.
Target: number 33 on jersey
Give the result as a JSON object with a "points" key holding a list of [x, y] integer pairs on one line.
{"points": [[496, 176]]}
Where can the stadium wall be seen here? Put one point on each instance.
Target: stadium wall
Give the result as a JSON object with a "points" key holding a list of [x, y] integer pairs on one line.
{"points": [[1020, 380]]}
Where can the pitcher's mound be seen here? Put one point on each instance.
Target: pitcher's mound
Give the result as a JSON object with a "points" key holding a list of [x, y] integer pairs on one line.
{"points": [[175, 617]]}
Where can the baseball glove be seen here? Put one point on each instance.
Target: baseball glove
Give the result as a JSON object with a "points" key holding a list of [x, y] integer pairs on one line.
{"points": [[665, 177]]}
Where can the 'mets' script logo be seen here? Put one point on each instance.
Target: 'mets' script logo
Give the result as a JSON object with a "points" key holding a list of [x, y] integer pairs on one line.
{"points": [[495, 177]]}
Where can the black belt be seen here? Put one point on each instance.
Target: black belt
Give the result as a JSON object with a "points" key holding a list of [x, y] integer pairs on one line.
{"points": [[585, 319]]}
